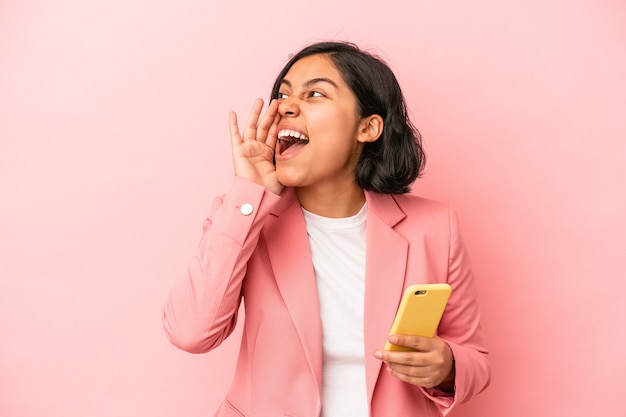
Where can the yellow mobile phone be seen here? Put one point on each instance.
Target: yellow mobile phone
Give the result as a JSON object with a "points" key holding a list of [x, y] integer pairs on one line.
{"points": [[420, 311]]}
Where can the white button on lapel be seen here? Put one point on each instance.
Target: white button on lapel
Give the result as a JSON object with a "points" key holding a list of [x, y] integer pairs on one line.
{"points": [[246, 209]]}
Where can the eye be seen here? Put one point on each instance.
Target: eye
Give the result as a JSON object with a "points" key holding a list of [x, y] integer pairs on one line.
{"points": [[315, 93], [282, 95]]}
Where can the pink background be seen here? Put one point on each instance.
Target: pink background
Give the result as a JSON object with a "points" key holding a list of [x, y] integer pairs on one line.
{"points": [[114, 139]]}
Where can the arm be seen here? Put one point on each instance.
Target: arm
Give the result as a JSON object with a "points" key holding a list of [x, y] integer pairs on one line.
{"points": [[202, 307], [453, 366], [461, 330], [201, 310]]}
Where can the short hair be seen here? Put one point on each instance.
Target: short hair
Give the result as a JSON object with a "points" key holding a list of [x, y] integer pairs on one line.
{"points": [[392, 163]]}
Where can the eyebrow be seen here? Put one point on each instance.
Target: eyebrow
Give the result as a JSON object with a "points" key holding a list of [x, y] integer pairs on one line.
{"points": [[312, 81]]}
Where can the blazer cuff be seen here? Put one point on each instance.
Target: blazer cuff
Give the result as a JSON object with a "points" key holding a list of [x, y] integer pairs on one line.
{"points": [[244, 204]]}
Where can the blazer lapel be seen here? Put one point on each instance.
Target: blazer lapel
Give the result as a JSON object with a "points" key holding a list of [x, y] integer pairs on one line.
{"points": [[386, 259], [290, 255]]}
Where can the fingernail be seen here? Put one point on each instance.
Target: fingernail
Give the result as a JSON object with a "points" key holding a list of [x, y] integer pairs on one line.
{"points": [[393, 339], [378, 354]]}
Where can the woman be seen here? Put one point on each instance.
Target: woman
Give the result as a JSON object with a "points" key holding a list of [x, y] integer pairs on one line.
{"points": [[319, 237]]}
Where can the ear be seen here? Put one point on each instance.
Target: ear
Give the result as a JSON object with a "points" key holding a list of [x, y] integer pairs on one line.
{"points": [[370, 128]]}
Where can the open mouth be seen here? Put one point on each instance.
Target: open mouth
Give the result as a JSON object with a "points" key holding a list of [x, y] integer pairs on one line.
{"points": [[291, 139]]}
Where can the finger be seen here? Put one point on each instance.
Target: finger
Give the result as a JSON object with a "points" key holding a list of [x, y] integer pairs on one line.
{"points": [[250, 131], [235, 136], [267, 121], [418, 343], [410, 370], [423, 381], [403, 358], [413, 373], [272, 134]]}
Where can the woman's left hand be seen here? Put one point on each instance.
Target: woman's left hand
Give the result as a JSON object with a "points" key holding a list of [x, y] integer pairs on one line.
{"points": [[430, 365]]}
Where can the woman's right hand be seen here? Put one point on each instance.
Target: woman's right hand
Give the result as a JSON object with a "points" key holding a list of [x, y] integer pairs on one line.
{"points": [[253, 153]]}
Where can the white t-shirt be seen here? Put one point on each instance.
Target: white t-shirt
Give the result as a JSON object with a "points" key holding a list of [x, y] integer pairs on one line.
{"points": [[338, 253]]}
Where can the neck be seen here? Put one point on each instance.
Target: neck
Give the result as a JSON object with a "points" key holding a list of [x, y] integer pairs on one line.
{"points": [[332, 202]]}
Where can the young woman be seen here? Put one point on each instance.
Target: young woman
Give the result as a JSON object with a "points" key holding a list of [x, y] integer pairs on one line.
{"points": [[318, 236]]}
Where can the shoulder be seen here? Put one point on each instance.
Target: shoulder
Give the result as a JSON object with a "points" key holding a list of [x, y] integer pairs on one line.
{"points": [[411, 202], [411, 210], [408, 201], [429, 214], [416, 207]]}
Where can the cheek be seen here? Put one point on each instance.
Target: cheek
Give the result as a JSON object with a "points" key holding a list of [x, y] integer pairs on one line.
{"points": [[337, 126]]}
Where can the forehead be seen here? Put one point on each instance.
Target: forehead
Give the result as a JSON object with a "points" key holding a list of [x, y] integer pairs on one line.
{"points": [[314, 66]]}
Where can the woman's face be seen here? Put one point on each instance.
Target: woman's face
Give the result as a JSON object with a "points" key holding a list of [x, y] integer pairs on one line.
{"points": [[318, 133]]}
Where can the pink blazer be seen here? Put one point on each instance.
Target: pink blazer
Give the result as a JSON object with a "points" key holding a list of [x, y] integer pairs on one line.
{"points": [[255, 245]]}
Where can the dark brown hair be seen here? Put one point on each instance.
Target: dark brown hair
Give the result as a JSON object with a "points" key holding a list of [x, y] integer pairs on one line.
{"points": [[394, 161]]}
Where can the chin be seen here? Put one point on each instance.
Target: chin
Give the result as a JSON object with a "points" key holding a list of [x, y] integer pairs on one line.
{"points": [[287, 181], [287, 178]]}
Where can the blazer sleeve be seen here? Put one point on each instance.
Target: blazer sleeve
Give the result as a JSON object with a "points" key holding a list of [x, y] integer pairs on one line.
{"points": [[201, 310], [460, 328]]}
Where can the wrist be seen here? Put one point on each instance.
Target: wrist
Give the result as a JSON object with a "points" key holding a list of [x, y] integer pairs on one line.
{"points": [[447, 385]]}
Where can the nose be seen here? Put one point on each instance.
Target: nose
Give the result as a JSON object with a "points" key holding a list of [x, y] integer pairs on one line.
{"points": [[288, 107]]}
